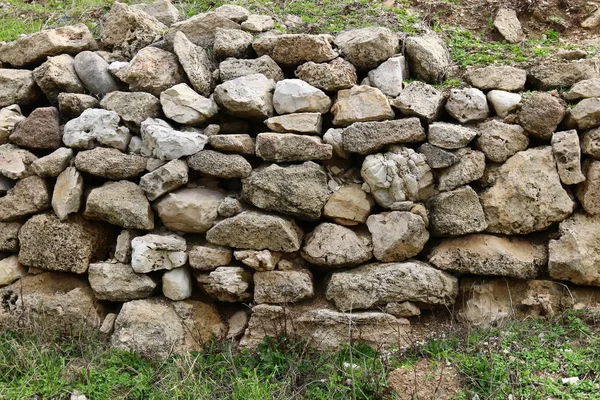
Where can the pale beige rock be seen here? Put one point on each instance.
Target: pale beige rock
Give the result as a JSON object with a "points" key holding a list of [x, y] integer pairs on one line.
{"points": [[133, 108], [397, 235], [15, 163], [469, 168], [590, 143], [456, 212], [96, 127], [288, 147], [467, 105], [161, 141], [586, 114], [237, 324], [232, 43], [53, 164], [419, 99], [110, 163], [402, 310], [567, 154], [208, 256], [503, 103], [499, 141], [428, 57], [196, 63], [258, 23], [588, 192], [9, 117], [557, 75], [335, 75], [154, 252], [11, 270], [9, 236], [123, 245], [162, 10], [540, 114], [17, 87], [248, 96], [295, 49], [228, 284], [349, 205], [240, 144], [29, 196], [360, 104], [177, 284], [233, 12], [297, 96], [332, 246], [181, 104], [282, 286], [201, 28], [506, 78], [57, 75], [584, 89], [299, 122], [164, 179], [366, 48], [259, 260], [233, 68], [190, 209], [72, 105], [118, 282], [66, 198], [508, 25], [370, 137]]}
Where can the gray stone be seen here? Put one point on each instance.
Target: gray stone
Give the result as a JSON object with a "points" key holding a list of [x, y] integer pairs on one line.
{"points": [[259, 260], [53, 164], [163, 10], [588, 192], [402, 310], [196, 63], [508, 25], [450, 136], [133, 108], [584, 89], [190, 209], [17, 87], [335, 75], [366, 48], [200, 29], [360, 104], [161, 141], [503, 103], [72, 105], [164, 179], [229, 207], [559, 75], [29, 196], [370, 137], [248, 96], [397, 235], [567, 154], [467, 105], [333, 246], [295, 49], [110, 164], [234, 12], [437, 157], [506, 78], [388, 76], [233, 68], [66, 198], [419, 99], [258, 23], [306, 122], [586, 114], [182, 104], [15, 163], [469, 168], [123, 245], [590, 143], [232, 43], [9, 239], [177, 284], [220, 165], [58, 75], [540, 114], [93, 72], [282, 286], [119, 282], [456, 212], [288, 147], [296, 96], [499, 141], [94, 127], [428, 57]]}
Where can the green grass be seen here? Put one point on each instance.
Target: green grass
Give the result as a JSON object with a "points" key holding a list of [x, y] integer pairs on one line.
{"points": [[524, 359]]}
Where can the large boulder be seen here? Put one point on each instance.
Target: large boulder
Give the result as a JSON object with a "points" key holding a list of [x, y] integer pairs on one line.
{"points": [[69, 246], [110, 163], [295, 49], [370, 137], [397, 235], [360, 104], [335, 75], [456, 212], [373, 285], [190, 209], [297, 190], [366, 48], [332, 246], [17, 87], [428, 57], [58, 75], [483, 254], [29, 196], [249, 96], [527, 195], [118, 282]]}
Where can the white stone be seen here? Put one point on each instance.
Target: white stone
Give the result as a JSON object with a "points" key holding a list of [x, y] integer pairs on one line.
{"points": [[503, 103], [96, 127], [165, 143], [295, 96], [11, 270], [177, 283], [156, 252], [66, 198], [388, 76], [182, 104]]}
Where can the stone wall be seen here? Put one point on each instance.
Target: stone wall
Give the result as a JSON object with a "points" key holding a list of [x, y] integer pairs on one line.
{"points": [[177, 180]]}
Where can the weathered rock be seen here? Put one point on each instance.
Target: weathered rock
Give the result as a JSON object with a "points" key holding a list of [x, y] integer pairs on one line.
{"points": [[93, 72], [574, 255], [297, 190], [17, 87], [257, 231], [152, 70], [233, 68], [259, 260], [402, 310], [53, 164], [567, 154], [133, 108], [295, 49], [70, 245], [349, 205], [388, 76], [258, 23], [241, 144], [200, 29], [95, 127], [360, 104], [123, 245], [455, 213], [506, 78], [397, 235], [419, 99], [437, 157], [40, 130], [164, 179], [163, 10], [558, 75], [333, 136], [72, 105], [220, 165], [190, 209], [398, 176], [334, 246], [228, 284], [128, 30], [584, 89], [377, 284], [295, 96], [157, 252], [57, 75], [369, 137], [499, 141], [120, 203], [196, 63], [181, 104], [161, 141], [503, 103], [29, 196], [15, 163], [588, 192], [428, 57], [288, 147], [508, 25], [237, 324], [118, 282], [229, 207], [66, 198], [306, 122], [483, 254], [9, 117], [335, 75], [527, 195], [177, 284], [366, 48], [450, 136], [37, 46], [248, 96], [467, 105], [234, 12], [469, 168], [11, 270], [282, 286], [540, 114], [232, 43], [9, 239], [207, 256], [110, 163], [586, 114], [590, 143]]}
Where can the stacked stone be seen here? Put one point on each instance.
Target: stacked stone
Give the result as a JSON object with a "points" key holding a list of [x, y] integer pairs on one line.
{"points": [[174, 171]]}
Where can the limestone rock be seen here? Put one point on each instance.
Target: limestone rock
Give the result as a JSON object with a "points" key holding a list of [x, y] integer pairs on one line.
{"points": [[120, 203], [333, 136], [483, 254], [467, 105], [200, 29], [163, 10], [189, 209], [428, 57], [295, 96], [297, 190], [118, 282], [567, 154], [419, 99], [584, 89], [506, 78], [437, 157], [587, 192], [586, 114], [333, 246], [369, 137], [349, 205], [232, 43], [93, 72], [508, 25], [402, 310], [306, 122], [72, 105], [257, 231], [503, 103], [360, 104], [388, 76], [366, 48], [17, 87], [237, 324], [9, 239], [229, 207], [123, 245], [177, 284], [234, 12], [66, 198], [499, 141], [133, 108], [258, 23], [228, 284], [95, 127], [469, 168], [152, 70], [335, 75], [295, 49], [241, 144], [196, 64], [15, 163], [37, 46], [450, 136], [377, 284], [248, 96], [164, 179], [157, 252], [259, 260], [57, 75], [29, 196], [233, 68], [590, 143], [397, 235], [282, 286], [9, 117], [398, 176], [456, 212], [527, 195], [181, 104], [220, 165], [110, 163], [11, 270], [70, 245], [563, 74], [288, 147], [161, 141], [540, 114], [207, 256], [53, 164]]}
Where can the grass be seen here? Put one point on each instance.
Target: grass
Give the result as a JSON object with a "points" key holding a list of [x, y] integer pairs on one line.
{"points": [[524, 359]]}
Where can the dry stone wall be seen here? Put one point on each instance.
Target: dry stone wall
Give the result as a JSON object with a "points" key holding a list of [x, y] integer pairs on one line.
{"points": [[177, 180]]}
